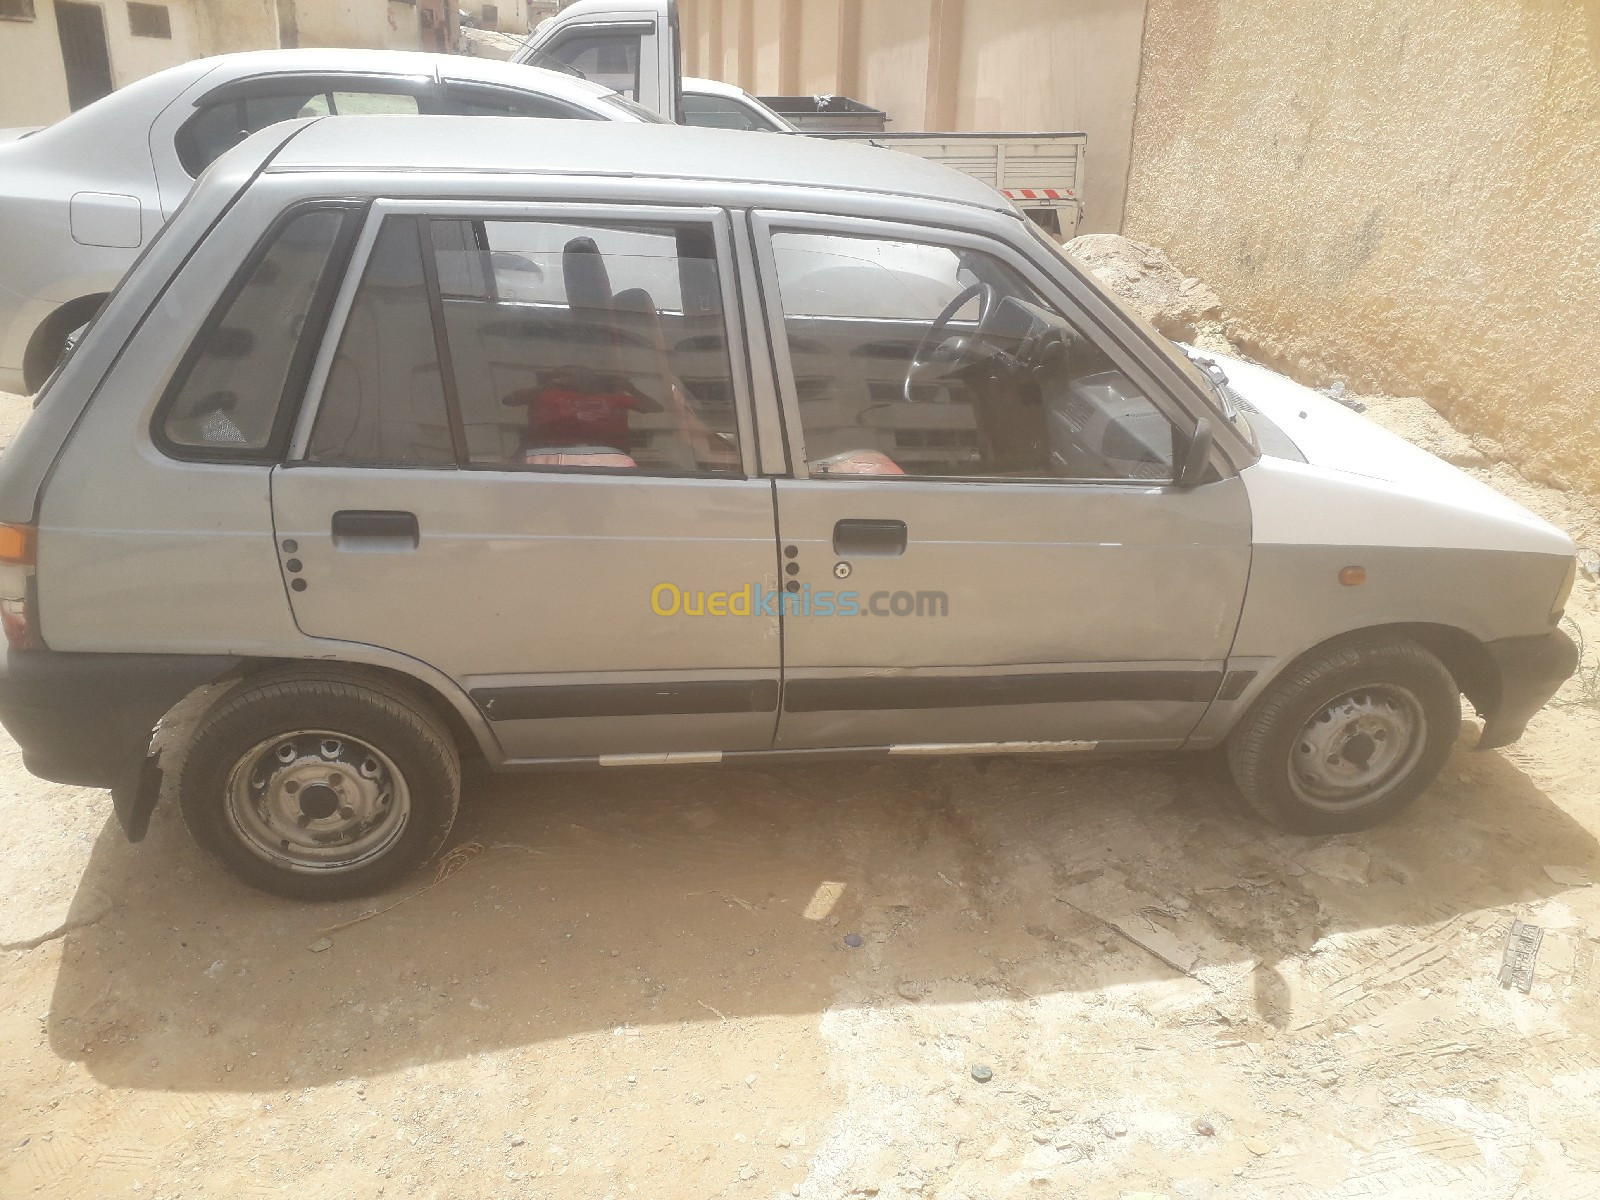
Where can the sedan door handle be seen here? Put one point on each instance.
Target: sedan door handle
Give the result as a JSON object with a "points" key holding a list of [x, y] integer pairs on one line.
{"points": [[359, 529], [866, 538]]}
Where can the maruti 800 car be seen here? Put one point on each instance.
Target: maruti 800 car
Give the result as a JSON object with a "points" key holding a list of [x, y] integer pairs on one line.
{"points": [[557, 443]]}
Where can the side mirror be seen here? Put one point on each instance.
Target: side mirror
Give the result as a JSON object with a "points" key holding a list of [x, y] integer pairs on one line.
{"points": [[1197, 456]]}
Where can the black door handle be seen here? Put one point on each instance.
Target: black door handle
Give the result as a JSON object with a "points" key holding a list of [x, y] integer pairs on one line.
{"points": [[857, 537], [365, 529]]}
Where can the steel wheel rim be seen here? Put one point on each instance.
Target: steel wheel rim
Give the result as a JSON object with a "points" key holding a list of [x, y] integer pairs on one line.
{"points": [[1353, 750], [316, 800]]}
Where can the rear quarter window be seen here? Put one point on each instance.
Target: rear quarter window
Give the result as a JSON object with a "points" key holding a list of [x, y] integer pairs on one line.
{"points": [[227, 400]]}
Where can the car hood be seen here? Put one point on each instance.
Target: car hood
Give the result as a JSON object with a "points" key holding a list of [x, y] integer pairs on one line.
{"points": [[1328, 434], [1332, 438]]}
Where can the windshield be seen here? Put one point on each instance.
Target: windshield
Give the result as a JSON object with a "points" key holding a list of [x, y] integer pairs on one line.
{"points": [[649, 115], [1200, 369]]}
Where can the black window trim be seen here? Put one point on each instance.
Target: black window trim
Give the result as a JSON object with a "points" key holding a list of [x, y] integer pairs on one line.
{"points": [[313, 329]]}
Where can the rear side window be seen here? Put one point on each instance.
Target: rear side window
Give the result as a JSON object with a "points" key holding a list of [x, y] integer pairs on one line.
{"points": [[384, 400], [521, 345], [221, 125], [227, 400]]}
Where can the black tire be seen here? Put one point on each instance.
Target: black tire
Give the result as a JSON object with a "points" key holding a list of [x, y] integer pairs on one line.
{"points": [[411, 791], [1276, 754]]}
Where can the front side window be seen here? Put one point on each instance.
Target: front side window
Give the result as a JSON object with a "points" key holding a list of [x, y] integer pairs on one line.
{"points": [[719, 112], [467, 101], [609, 59], [913, 359], [534, 345], [228, 400], [384, 400]]}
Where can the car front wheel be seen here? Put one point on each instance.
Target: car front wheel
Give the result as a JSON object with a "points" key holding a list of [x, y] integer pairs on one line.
{"points": [[1348, 737], [320, 788]]}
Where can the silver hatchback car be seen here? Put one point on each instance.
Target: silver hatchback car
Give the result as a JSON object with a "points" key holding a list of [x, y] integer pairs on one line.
{"points": [[545, 443]]}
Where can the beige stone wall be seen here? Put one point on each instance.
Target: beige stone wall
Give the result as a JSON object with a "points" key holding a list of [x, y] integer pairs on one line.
{"points": [[945, 64], [1401, 193], [33, 86]]}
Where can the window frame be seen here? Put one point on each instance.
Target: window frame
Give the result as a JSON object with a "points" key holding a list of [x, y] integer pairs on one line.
{"points": [[717, 220], [642, 30], [765, 222], [142, 12], [256, 87], [313, 332], [455, 90]]}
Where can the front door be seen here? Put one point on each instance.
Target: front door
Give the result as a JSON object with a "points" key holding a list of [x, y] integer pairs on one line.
{"points": [[983, 542], [531, 445]]}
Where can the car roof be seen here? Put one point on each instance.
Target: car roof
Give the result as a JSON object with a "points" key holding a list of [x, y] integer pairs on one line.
{"points": [[666, 152], [393, 62], [101, 128], [712, 87]]}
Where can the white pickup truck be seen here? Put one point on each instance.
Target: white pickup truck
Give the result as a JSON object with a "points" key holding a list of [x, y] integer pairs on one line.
{"points": [[634, 47]]}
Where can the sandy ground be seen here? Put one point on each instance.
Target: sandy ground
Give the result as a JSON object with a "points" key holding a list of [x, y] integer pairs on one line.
{"points": [[645, 986]]}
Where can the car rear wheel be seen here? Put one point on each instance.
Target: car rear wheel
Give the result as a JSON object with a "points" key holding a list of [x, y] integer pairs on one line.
{"points": [[320, 787], [1346, 738]]}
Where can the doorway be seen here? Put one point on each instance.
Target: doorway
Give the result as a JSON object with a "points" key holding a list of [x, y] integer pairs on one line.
{"points": [[82, 29]]}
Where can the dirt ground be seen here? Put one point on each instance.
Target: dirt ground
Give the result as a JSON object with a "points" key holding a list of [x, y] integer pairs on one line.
{"points": [[700, 983]]}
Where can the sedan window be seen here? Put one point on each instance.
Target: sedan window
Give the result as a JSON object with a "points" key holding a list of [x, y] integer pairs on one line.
{"points": [[719, 112], [222, 124], [913, 359], [467, 100]]}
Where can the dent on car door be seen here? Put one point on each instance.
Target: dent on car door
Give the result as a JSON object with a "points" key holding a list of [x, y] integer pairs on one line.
{"points": [[532, 421], [984, 540]]}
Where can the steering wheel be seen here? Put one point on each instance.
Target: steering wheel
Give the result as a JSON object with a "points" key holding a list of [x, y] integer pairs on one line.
{"points": [[953, 352]]}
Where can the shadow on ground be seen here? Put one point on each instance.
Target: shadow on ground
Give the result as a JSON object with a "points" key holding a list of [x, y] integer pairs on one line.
{"points": [[684, 895]]}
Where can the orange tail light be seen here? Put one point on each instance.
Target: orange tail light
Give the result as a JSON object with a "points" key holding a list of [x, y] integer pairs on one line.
{"points": [[17, 545]]}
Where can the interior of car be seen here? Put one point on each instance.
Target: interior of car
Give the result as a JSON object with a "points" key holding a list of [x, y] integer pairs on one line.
{"points": [[921, 361]]}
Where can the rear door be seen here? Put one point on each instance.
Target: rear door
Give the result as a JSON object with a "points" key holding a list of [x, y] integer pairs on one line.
{"points": [[630, 46], [528, 464]]}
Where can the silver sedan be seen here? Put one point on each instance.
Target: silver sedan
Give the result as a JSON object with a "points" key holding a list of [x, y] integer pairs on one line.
{"points": [[78, 199]]}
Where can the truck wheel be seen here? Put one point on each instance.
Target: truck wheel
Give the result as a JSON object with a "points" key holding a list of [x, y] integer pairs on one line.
{"points": [[319, 788], [1347, 738]]}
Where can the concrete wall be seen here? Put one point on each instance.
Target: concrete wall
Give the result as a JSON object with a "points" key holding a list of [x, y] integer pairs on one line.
{"points": [[33, 87], [1401, 193], [945, 64]]}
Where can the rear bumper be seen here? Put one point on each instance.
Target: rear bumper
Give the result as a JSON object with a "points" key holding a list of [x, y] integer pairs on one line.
{"points": [[86, 719], [1530, 670]]}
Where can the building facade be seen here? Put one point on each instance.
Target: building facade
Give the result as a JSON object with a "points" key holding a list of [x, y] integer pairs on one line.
{"points": [[58, 55]]}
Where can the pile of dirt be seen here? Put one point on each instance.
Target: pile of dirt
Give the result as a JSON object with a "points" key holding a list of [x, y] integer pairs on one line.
{"points": [[488, 43], [1180, 306]]}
